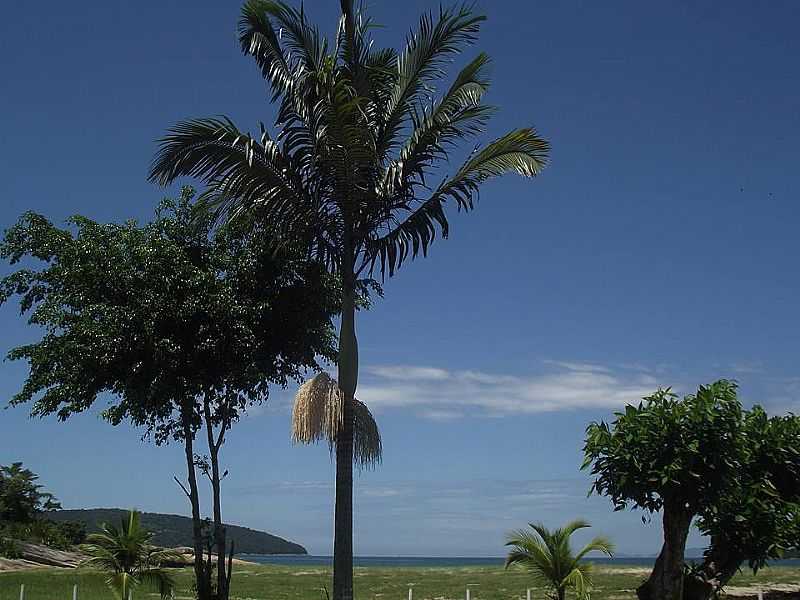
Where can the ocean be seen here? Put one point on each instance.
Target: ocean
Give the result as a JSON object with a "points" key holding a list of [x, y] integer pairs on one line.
{"points": [[438, 561]]}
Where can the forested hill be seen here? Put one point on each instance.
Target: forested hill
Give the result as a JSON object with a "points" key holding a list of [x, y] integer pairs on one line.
{"points": [[173, 530]]}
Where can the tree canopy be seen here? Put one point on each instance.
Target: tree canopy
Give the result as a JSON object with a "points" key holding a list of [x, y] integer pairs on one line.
{"points": [[161, 314], [22, 500], [669, 450], [176, 323], [735, 472]]}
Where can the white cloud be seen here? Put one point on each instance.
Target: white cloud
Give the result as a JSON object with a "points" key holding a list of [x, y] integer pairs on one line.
{"points": [[575, 366], [442, 394], [403, 372]]}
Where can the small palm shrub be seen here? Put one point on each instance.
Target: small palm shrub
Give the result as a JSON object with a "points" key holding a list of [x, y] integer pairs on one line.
{"points": [[549, 558], [129, 559]]}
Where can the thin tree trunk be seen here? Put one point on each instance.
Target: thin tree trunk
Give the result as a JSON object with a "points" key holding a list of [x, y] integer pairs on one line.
{"points": [[348, 380], [203, 593], [219, 528], [666, 580]]}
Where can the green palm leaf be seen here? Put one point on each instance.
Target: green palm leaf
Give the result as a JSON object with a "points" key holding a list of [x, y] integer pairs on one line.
{"points": [[423, 60], [127, 555], [522, 152], [547, 555]]}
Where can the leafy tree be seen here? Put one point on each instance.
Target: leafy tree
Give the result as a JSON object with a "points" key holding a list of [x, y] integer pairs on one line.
{"points": [[669, 455], [350, 167], [181, 327], [24, 509], [21, 498], [548, 556], [129, 558], [757, 519]]}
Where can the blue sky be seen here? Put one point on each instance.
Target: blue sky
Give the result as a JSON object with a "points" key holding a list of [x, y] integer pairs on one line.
{"points": [[659, 248]]}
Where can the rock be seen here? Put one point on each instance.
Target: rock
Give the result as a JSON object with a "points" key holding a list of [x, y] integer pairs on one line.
{"points": [[9, 564], [43, 555]]}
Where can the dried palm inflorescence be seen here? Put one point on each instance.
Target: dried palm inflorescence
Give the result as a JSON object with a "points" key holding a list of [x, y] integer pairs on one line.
{"points": [[318, 414]]}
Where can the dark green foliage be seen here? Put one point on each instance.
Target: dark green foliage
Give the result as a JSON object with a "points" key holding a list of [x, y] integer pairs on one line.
{"points": [[171, 531], [9, 547], [21, 498], [162, 313], [47, 532], [759, 518], [128, 558], [736, 473], [25, 512], [178, 323], [666, 448], [360, 136]]}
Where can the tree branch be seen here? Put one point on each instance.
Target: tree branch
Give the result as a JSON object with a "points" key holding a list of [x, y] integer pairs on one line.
{"points": [[183, 487]]}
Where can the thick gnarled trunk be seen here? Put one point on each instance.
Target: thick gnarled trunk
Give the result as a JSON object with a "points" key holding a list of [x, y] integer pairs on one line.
{"points": [[348, 380], [666, 580]]}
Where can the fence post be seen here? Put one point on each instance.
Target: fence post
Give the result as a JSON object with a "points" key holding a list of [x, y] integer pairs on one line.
{"points": [[760, 595], [467, 592], [75, 592], [410, 593], [529, 593], [21, 591]]}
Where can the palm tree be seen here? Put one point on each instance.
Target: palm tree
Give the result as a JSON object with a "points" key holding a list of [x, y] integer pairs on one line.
{"points": [[350, 165], [129, 558], [548, 556]]}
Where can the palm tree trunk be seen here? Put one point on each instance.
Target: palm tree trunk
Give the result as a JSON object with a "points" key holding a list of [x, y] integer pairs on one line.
{"points": [[666, 580], [197, 525], [348, 380]]}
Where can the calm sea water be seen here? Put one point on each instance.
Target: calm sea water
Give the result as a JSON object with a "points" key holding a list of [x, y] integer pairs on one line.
{"points": [[435, 561]]}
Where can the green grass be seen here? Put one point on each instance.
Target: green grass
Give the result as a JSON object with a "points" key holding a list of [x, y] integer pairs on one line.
{"points": [[267, 582]]}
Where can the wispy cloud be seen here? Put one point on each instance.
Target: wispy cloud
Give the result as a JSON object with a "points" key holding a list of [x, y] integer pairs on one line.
{"points": [[443, 394], [449, 518]]}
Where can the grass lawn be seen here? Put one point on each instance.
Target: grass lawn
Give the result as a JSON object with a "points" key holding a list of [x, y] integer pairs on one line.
{"points": [[270, 582]]}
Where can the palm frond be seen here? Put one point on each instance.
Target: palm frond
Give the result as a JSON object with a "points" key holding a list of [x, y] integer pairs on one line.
{"points": [[548, 556], [353, 43], [530, 552], [598, 544], [304, 45], [580, 580], [457, 116], [122, 584], [259, 39], [242, 173], [426, 52], [522, 152], [161, 579], [571, 527]]}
